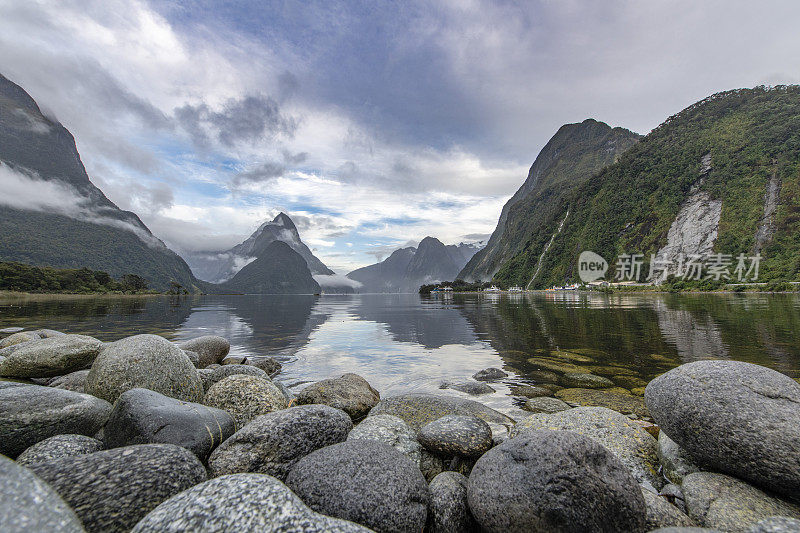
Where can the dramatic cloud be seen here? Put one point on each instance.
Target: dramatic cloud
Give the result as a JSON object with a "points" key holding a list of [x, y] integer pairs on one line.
{"points": [[335, 281]]}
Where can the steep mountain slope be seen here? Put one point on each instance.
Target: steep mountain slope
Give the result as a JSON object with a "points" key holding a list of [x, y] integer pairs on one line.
{"points": [[408, 268], [218, 267], [572, 156], [278, 269], [721, 176], [52, 215]]}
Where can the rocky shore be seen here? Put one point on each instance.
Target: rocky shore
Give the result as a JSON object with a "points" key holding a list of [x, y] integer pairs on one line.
{"points": [[147, 435]]}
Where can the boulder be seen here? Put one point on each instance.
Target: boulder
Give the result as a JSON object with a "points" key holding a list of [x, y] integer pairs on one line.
{"points": [[245, 397], [474, 388], [489, 374], [366, 482], [32, 413], [632, 445], [58, 447], [74, 381], [270, 365], [661, 513], [27, 504], [18, 338], [273, 443], [142, 416], [209, 348], [209, 376], [547, 481], [48, 333], [144, 361], [351, 393], [234, 360], [621, 403], [724, 413], [583, 380], [728, 504], [240, 502], [112, 490], [450, 435], [776, 524], [419, 409], [675, 462], [389, 430], [545, 404], [449, 511], [53, 356]]}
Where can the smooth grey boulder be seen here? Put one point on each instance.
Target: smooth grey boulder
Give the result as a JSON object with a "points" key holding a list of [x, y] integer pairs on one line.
{"points": [[419, 409], [365, 482], [270, 365], [489, 374], [474, 388], [58, 447], [27, 504], [449, 511], [632, 445], [47, 333], [74, 381], [18, 338], [554, 481], [273, 443], [389, 430], [209, 348], [725, 413], [32, 413], [209, 376], [53, 356], [675, 462], [240, 502], [467, 436], [351, 393], [729, 504], [661, 513], [776, 524], [143, 361], [142, 416], [545, 405], [112, 490], [245, 397]]}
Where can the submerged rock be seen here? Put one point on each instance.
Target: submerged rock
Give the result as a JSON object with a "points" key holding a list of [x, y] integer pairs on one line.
{"points": [[209, 348], [450, 435], [489, 374], [545, 404], [389, 430], [53, 356], [530, 391], [474, 388], [240, 502], [58, 447], [449, 511], [351, 393], [724, 413], [245, 397], [144, 361], [586, 381], [621, 403], [557, 481]]}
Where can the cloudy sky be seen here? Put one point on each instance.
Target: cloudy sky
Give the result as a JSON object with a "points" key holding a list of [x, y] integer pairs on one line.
{"points": [[372, 124]]}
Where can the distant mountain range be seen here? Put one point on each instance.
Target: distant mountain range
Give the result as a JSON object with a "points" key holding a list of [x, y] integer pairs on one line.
{"points": [[408, 268]]}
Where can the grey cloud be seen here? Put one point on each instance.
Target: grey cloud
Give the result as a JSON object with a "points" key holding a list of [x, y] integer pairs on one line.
{"points": [[476, 236], [264, 172]]}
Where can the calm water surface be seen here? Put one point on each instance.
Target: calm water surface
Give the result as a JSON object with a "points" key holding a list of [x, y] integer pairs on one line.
{"points": [[404, 343]]}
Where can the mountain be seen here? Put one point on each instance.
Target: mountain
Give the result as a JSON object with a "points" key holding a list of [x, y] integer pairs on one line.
{"points": [[408, 268], [720, 177], [570, 158], [278, 269], [51, 214], [218, 267]]}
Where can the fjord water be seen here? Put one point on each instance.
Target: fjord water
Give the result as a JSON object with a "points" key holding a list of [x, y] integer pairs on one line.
{"points": [[408, 343]]}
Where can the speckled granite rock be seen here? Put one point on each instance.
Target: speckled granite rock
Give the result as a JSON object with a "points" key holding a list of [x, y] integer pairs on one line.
{"points": [[270, 365], [74, 381], [776, 524], [245, 397], [449, 511], [661, 513], [389, 430], [58, 447], [53, 356], [675, 462], [209, 376], [351, 393], [209, 348], [545, 405], [456, 435]]}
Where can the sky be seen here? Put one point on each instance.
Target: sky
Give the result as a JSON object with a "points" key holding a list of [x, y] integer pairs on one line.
{"points": [[372, 124]]}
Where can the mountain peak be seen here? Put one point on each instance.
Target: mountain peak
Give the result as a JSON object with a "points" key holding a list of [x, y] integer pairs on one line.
{"points": [[282, 219]]}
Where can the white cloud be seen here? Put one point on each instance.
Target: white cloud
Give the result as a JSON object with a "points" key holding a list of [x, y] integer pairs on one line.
{"points": [[336, 280]]}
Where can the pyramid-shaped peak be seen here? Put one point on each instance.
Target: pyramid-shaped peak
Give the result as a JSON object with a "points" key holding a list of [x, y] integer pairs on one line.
{"points": [[282, 219]]}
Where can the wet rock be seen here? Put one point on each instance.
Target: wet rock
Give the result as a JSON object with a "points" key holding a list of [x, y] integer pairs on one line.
{"points": [[32, 413], [489, 374], [111, 490], [673, 459], [74, 381], [557, 481], [450, 435], [776, 524], [53, 356], [235, 360], [661, 513], [713, 410], [530, 391], [728, 504], [571, 356], [273, 443], [449, 511], [610, 370], [142, 416], [210, 348], [586, 381], [58, 447], [419, 409], [474, 388], [351, 393], [543, 376], [629, 382], [209, 376], [27, 504], [270, 365], [545, 405], [245, 397], [632, 445], [389, 430], [554, 365], [143, 361], [240, 502], [363, 481], [622, 403]]}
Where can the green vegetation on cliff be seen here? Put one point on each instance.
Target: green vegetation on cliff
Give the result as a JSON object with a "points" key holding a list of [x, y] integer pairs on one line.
{"points": [[25, 278]]}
